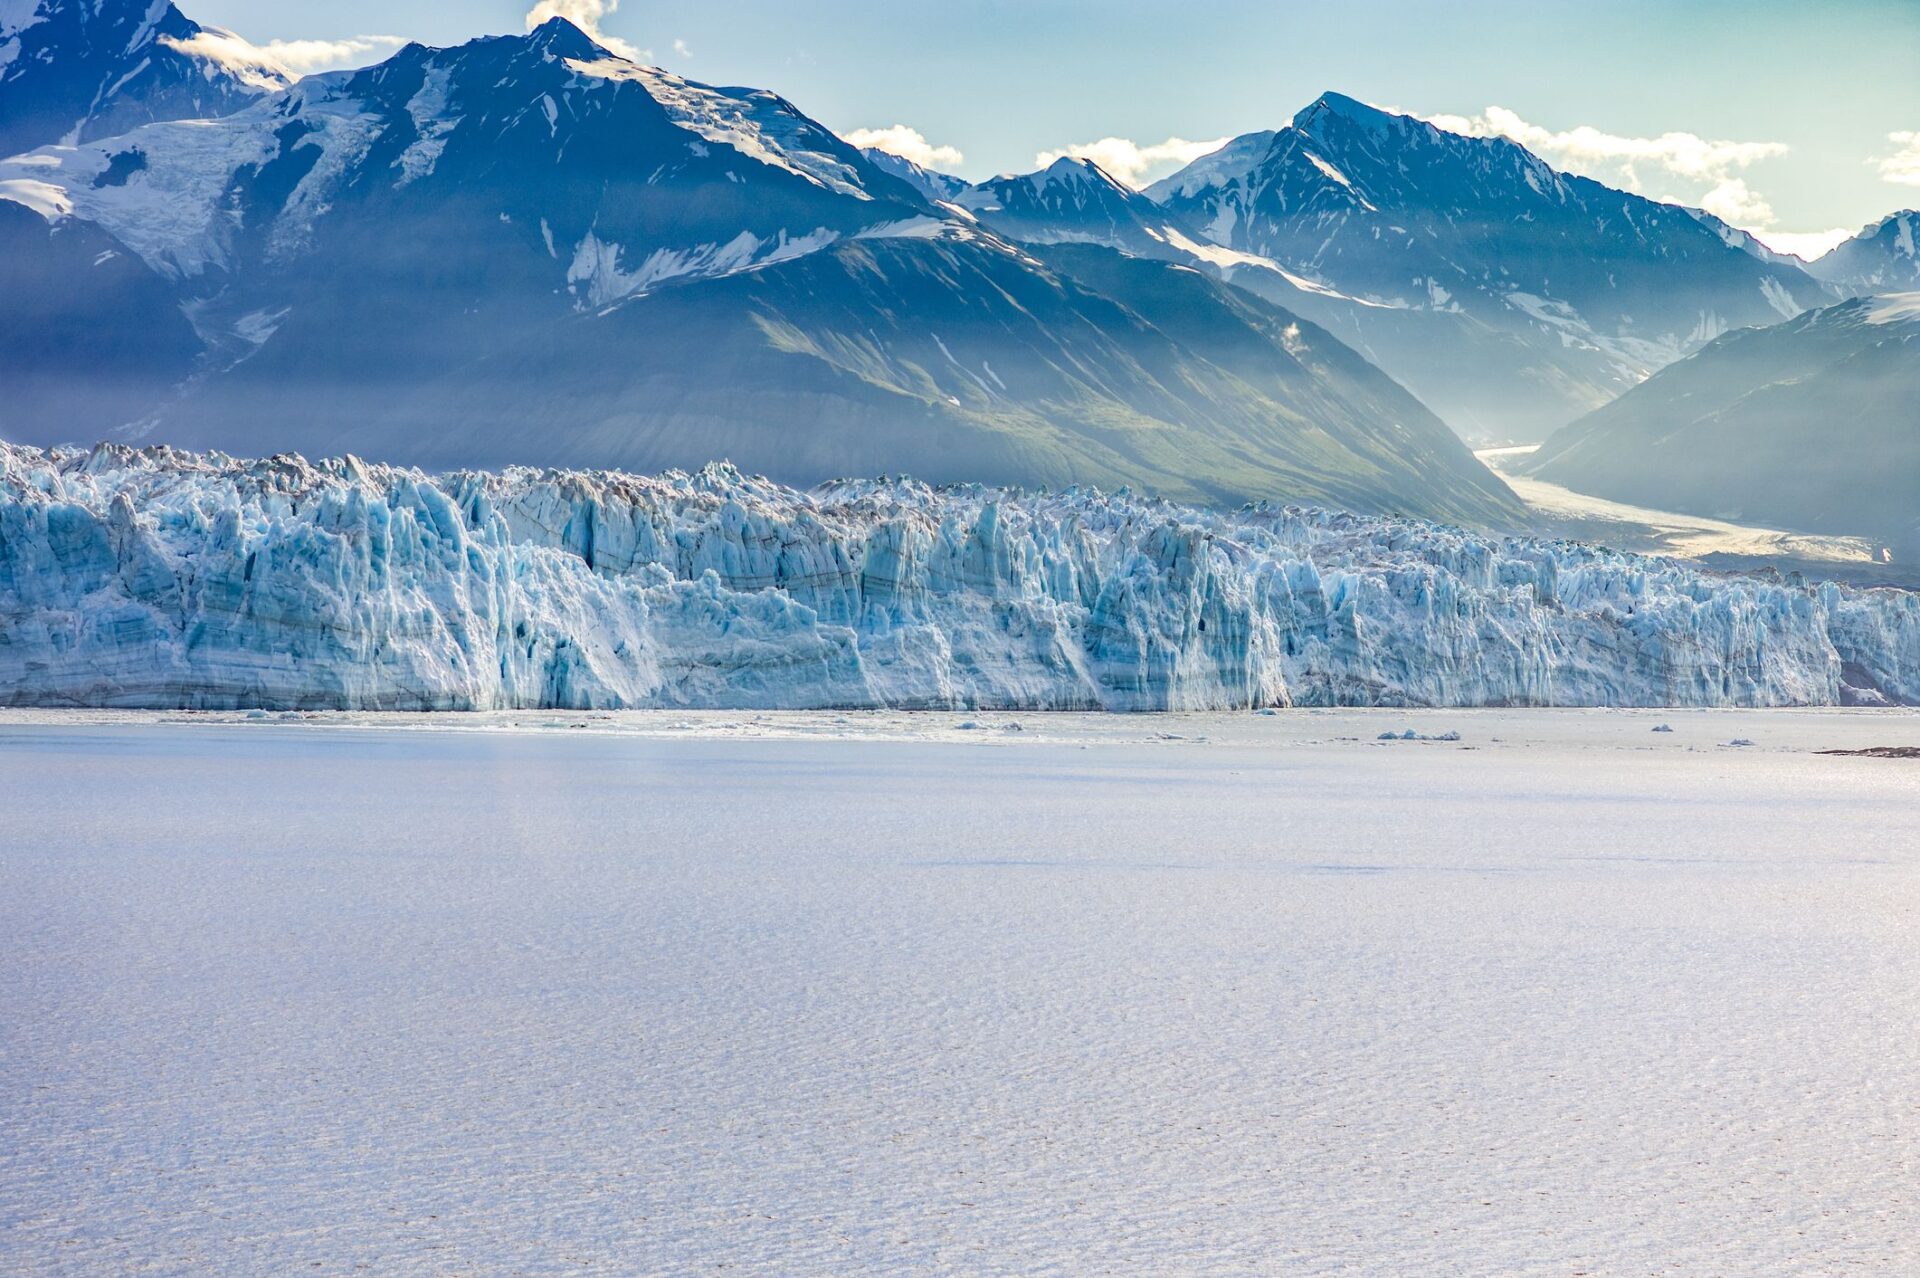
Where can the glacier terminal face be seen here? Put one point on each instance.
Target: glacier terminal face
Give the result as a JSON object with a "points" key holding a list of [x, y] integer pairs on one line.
{"points": [[160, 579]]}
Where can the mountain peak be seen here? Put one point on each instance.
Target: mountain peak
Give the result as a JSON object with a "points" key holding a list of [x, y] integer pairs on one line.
{"points": [[1215, 169], [1340, 106], [1074, 168], [1900, 217], [1332, 100], [931, 183], [561, 38], [1884, 256], [73, 70]]}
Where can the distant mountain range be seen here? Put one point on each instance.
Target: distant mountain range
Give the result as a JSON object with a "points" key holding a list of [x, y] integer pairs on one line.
{"points": [[527, 250], [1883, 258], [1813, 424], [1510, 297]]}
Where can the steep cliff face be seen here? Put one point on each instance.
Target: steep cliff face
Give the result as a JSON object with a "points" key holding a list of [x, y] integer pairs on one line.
{"points": [[158, 578]]}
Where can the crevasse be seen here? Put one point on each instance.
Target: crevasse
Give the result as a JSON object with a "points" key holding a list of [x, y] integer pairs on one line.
{"points": [[155, 578]]}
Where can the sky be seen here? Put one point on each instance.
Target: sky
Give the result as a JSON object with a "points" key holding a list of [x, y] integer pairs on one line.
{"points": [[1796, 120]]}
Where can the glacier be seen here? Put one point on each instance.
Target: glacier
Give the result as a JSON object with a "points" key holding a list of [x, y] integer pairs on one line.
{"points": [[154, 578]]}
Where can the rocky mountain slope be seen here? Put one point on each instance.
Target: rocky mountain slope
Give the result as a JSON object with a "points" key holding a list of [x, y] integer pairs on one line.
{"points": [[1811, 424]]}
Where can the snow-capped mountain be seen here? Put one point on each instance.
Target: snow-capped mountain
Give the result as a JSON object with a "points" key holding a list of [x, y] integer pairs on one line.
{"points": [[1071, 201], [929, 182], [374, 226], [1813, 423], [1883, 258], [159, 578], [1509, 296], [626, 175], [525, 249], [1075, 201], [75, 70]]}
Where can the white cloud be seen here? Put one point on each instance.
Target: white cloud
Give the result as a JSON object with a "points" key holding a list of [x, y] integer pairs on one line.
{"points": [[1903, 166], [680, 47], [1681, 166], [586, 14], [277, 61], [1806, 245], [1737, 204], [1683, 154], [908, 144], [304, 57], [1127, 161]]}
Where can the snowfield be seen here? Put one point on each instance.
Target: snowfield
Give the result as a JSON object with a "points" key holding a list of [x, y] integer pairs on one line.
{"points": [[685, 993], [154, 578]]}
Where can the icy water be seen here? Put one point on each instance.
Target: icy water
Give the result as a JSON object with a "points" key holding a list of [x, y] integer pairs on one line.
{"points": [[794, 995]]}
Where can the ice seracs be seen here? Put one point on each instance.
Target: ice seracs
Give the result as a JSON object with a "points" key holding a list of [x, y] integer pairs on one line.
{"points": [[157, 578]]}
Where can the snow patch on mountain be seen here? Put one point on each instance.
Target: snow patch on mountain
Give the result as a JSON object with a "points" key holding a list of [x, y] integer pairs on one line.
{"points": [[754, 122], [598, 279], [45, 198], [914, 228], [1231, 260], [1778, 297], [173, 211], [1894, 308], [17, 15], [1631, 356], [1340, 179], [255, 327], [429, 111], [158, 578], [347, 132]]}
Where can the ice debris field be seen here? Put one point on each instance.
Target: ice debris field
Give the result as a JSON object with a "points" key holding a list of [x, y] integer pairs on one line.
{"points": [[667, 993], [154, 578]]}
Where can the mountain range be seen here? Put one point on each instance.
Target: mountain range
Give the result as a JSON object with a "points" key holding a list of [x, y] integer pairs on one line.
{"points": [[525, 249], [1510, 297]]}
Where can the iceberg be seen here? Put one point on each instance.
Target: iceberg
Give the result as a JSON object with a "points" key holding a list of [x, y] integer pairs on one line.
{"points": [[154, 578]]}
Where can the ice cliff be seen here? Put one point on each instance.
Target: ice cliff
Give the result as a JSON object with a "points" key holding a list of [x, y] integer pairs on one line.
{"points": [[156, 578]]}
